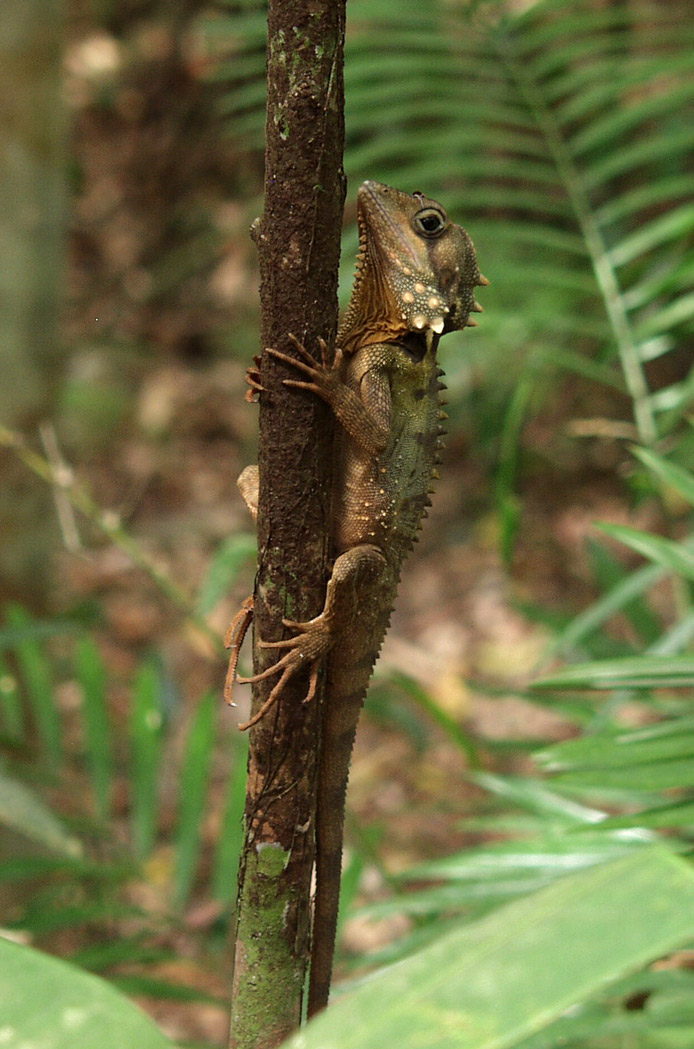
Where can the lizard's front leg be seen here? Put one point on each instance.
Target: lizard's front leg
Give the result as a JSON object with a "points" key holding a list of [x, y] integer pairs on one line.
{"points": [[354, 573], [365, 415]]}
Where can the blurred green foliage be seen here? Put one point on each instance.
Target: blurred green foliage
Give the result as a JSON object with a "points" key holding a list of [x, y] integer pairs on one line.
{"points": [[559, 133]]}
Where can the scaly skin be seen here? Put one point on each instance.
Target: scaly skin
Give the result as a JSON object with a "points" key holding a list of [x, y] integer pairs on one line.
{"points": [[415, 281]]}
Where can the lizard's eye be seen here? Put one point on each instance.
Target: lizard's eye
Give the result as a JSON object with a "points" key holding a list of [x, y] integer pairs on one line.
{"points": [[430, 222]]}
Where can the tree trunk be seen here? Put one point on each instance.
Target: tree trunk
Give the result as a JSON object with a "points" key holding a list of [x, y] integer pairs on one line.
{"points": [[32, 177], [299, 242]]}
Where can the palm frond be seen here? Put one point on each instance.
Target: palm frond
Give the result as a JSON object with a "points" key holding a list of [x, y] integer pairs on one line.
{"points": [[562, 137]]}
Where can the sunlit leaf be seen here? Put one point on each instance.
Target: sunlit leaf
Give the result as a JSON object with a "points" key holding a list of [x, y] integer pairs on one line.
{"points": [[48, 1003], [449, 995]]}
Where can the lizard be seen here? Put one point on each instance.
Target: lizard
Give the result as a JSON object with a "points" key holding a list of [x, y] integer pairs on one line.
{"points": [[415, 281]]}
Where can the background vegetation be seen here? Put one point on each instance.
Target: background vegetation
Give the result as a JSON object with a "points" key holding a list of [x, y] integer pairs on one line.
{"points": [[532, 715]]}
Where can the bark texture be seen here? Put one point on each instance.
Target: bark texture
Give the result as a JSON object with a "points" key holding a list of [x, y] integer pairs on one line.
{"points": [[298, 241]]}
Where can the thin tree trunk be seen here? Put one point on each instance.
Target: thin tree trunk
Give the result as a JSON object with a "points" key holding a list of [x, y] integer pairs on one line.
{"points": [[298, 241], [32, 213]]}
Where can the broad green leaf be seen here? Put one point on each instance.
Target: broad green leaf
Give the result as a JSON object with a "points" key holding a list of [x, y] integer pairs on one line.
{"points": [[614, 1023], [491, 983], [23, 811], [47, 1004]]}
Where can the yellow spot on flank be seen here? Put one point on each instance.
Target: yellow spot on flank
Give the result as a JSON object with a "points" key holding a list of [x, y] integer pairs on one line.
{"points": [[407, 296], [434, 302], [407, 271], [419, 287], [419, 320]]}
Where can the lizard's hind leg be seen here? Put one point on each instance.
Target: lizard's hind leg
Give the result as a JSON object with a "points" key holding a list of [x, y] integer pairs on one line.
{"points": [[276, 691], [308, 647], [354, 574]]}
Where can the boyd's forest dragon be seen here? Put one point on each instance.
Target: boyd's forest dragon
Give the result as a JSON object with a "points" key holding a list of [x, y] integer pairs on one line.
{"points": [[415, 281]]}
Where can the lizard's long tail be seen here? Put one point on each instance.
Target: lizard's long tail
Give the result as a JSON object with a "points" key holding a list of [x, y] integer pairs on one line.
{"points": [[349, 669], [339, 728]]}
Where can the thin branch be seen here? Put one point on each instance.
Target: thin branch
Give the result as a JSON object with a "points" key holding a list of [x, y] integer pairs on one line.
{"points": [[62, 479]]}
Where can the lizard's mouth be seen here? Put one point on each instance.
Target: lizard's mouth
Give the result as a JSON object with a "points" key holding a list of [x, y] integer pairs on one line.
{"points": [[417, 344]]}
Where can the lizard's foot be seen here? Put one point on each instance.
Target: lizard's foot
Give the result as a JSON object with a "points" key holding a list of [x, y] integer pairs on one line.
{"points": [[308, 647], [233, 639], [323, 375], [253, 380]]}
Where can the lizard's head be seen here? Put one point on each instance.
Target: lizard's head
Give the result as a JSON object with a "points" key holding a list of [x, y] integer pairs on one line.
{"points": [[423, 262]]}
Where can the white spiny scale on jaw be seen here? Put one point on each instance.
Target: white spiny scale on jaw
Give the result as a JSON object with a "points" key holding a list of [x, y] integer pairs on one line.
{"points": [[421, 302]]}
